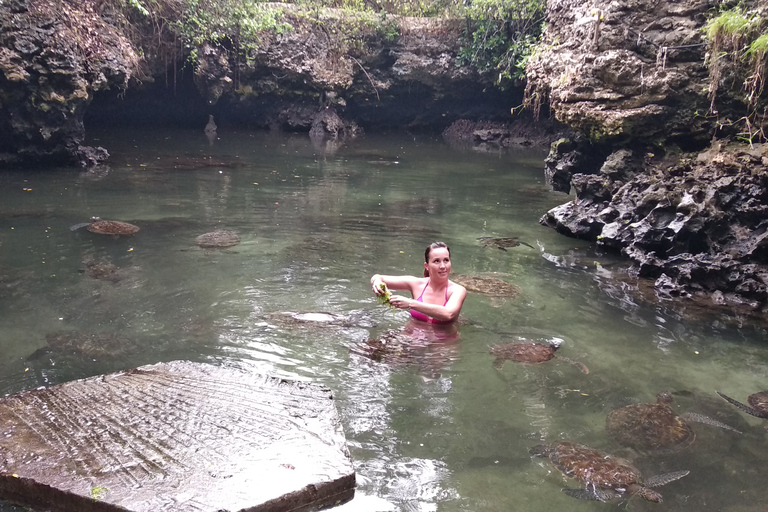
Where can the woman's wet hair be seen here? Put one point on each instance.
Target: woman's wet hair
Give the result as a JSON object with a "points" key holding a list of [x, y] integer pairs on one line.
{"points": [[434, 245]]}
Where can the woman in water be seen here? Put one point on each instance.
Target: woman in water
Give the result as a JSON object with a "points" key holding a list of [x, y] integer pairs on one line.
{"points": [[438, 299]]}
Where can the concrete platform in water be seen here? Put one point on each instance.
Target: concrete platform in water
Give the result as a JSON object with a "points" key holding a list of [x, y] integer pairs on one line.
{"points": [[176, 436]]}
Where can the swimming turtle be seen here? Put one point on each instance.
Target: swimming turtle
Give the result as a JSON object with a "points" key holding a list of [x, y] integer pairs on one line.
{"points": [[107, 227], [93, 345], [602, 475], [391, 347], [219, 239], [396, 348], [531, 353], [502, 242], [491, 286], [654, 428], [102, 270], [758, 404]]}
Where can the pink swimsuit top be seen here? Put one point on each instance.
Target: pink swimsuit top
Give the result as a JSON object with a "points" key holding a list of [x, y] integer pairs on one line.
{"points": [[418, 315]]}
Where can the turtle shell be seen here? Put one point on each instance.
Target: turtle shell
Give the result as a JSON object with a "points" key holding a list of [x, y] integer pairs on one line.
{"points": [[111, 227], [650, 428], [603, 476], [102, 270], [97, 345], [491, 286], [498, 242], [759, 402], [533, 353], [592, 467], [219, 239], [501, 242]]}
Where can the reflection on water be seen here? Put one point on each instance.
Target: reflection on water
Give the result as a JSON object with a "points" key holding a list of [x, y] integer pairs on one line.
{"points": [[432, 423]]}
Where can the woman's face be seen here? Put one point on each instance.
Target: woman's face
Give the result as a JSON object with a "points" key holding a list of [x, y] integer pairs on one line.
{"points": [[439, 263]]}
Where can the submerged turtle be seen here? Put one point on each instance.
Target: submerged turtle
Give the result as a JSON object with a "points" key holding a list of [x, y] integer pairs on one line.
{"points": [[102, 270], [602, 475], [107, 227], [219, 239], [758, 404], [531, 353], [96, 345], [428, 351], [655, 428], [391, 347], [501, 242], [491, 286]]}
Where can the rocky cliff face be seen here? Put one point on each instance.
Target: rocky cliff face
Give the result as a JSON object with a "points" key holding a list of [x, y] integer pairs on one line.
{"points": [[629, 76], [53, 57], [330, 75]]}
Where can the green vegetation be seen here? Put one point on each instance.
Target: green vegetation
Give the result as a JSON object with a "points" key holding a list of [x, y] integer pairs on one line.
{"points": [[384, 296], [99, 492], [138, 6], [738, 41], [237, 20], [501, 35]]}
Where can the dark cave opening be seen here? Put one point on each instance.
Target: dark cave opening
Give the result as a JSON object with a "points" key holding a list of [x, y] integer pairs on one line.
{"points": [[162, 102]]}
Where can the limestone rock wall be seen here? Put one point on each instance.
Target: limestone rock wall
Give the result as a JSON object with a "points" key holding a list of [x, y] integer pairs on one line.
{"points": [[629, 76], [627, 69], [56, 55], [53, 57]]}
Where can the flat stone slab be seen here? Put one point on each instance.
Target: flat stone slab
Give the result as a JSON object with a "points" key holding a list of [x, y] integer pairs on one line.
{"points": [[176, 436]]}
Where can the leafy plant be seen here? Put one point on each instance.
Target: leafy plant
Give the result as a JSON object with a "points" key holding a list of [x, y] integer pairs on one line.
{"points": [[500, 35], [384, 296], [738, 43], [138, 6]]}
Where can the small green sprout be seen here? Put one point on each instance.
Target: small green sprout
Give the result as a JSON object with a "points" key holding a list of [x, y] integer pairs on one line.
{"points": [[99, 492]]}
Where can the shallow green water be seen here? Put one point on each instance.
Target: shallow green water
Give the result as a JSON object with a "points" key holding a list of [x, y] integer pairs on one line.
{"points": [[439, 429]]}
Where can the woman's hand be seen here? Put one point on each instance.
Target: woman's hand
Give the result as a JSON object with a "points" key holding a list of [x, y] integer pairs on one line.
{"points": [[400, 302], [376, 283]]}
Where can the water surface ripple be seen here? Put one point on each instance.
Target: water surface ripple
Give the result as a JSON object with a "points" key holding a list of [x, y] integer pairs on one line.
{"points": [[431, 426]]}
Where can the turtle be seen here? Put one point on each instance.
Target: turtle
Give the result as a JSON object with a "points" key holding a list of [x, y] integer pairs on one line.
{"points": [[92, 345], [219, 239], [602, 475], [100, 226], [391, 347], [399, 348], [654, 428], [491, 286], [502, 242], [758, 404], [531, 353], [102, 270]]}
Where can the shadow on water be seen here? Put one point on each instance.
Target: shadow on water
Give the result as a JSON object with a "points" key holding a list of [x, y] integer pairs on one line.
{"points": [[432, 424]]}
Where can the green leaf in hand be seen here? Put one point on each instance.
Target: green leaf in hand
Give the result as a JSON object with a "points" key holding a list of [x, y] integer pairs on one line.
{"points": [[384, 297]]}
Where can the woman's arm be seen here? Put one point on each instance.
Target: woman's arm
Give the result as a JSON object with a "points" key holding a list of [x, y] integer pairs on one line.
{"points": [[447, 313], [394, 283]]}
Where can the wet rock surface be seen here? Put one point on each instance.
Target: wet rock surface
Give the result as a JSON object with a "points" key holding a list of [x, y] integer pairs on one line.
{"points": [[629, 77], [696, 227], [174, 436], [53, 57], [60, 58]]}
